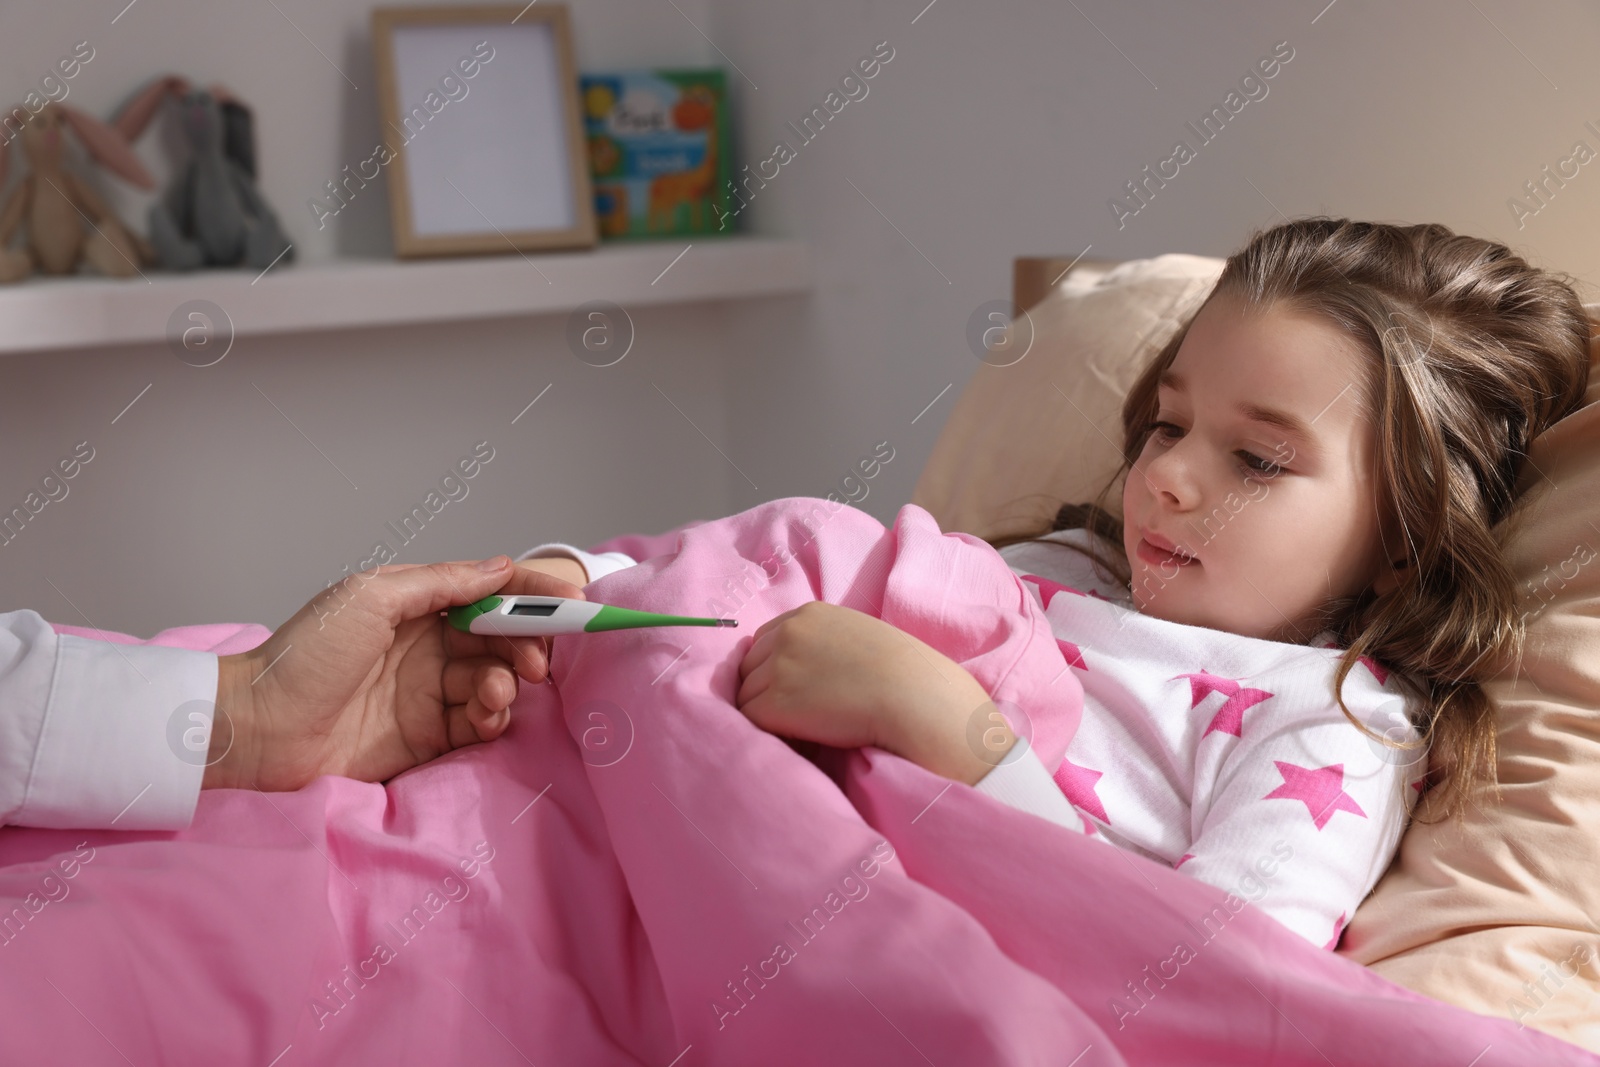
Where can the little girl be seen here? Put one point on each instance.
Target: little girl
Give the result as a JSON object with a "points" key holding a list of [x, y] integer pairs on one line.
{"points": [[1281, 625]]}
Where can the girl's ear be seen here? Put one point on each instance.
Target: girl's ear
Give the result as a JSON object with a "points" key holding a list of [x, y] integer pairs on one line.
{"points": [[108, 147], [1388, 579]]}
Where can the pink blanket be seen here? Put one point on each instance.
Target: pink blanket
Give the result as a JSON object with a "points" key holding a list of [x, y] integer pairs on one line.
{"points": [[634, 874]]}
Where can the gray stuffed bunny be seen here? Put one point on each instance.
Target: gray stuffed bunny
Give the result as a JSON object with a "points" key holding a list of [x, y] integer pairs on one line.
{"points": [[211, 215]]}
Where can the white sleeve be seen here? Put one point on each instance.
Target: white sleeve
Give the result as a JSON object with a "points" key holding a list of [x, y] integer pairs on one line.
{"points": [[596, 565], [85, 728], [1026, 785], [1303, 821]]}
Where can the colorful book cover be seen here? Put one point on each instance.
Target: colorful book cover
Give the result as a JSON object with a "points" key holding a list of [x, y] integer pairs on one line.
{"points": [[658, 152]]}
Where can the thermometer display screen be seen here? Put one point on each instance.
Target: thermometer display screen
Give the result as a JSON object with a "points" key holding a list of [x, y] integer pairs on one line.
{"points": [[533, 609]]}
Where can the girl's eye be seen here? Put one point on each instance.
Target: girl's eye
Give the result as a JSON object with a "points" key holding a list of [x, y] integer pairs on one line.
{"points": [[1252, 463], [1258, 465]]}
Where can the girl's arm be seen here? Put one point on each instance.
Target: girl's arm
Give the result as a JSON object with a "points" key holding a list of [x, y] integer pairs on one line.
{"points": [[572, 563], [840, 677], [1302, 821], [564, 567]]}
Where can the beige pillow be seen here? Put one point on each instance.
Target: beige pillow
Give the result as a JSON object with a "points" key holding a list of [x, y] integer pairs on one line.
{"points": [[1467, 914], [1048, 427]]}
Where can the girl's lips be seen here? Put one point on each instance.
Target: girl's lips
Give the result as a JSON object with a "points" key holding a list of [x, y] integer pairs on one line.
{"points": [[1153, 555]]}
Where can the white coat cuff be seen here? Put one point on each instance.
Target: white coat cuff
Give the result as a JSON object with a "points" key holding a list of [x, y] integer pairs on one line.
{"points": [[114, 751]]}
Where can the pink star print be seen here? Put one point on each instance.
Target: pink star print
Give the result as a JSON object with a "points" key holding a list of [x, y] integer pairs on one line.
{"points": [[1074, 656], [1321, 790], [1078, 784], [1377, 669], [1185, 858], [1229, 718], [1338, 928], [1048, 589]]}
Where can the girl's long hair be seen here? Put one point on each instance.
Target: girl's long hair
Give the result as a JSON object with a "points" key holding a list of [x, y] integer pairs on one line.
{"points": [[1472, 354]]}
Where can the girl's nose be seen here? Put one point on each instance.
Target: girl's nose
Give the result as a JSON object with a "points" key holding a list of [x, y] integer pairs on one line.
{"points": [[1169, 475]]}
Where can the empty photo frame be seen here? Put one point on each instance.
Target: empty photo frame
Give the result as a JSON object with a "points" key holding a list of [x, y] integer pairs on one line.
{"points": [[482, 138]]}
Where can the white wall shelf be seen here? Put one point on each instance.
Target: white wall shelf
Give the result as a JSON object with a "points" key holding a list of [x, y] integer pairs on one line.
{"points": [[84, 312]]}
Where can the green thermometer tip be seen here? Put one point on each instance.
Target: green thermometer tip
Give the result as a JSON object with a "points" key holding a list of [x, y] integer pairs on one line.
{"points": [[610, 618]]}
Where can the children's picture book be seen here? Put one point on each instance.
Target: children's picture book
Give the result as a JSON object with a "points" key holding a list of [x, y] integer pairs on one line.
{"points": [[658, 152]]}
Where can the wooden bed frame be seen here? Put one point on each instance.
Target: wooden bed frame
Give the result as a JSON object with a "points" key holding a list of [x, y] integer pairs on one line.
{"points": [[1034, 276]]}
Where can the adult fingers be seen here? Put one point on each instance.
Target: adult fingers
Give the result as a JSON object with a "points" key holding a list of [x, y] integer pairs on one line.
{"points": [[487, 678], [528, 656], [470, 724], [426, 589], [410, 591], [478, 696]]}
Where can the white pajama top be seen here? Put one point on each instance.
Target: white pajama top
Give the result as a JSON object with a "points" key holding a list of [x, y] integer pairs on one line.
{"points": [[1224, 756]]}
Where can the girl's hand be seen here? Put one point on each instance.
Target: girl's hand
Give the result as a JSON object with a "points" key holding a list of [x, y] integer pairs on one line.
{"points": [[840, 677]]}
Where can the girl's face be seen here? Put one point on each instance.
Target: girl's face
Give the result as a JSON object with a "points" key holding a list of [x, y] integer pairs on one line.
{"points": [[1275, 517]]}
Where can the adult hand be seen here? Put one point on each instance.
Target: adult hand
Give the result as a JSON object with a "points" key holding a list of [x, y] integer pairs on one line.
{"points": [[369, 679]]}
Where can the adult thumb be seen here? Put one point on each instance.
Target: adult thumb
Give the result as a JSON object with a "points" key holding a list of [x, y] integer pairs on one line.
{"points": [[425, 590]]}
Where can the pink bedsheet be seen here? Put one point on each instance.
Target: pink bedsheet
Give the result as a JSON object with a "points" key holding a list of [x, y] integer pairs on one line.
{"points": [[635, 874]]}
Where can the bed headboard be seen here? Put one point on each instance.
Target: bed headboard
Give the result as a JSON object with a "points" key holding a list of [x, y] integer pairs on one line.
{"points": [[1023, 436], [1034, 276]]}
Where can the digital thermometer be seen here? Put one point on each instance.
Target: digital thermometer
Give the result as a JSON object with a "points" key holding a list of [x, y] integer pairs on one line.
{"points": [[541, 616]]}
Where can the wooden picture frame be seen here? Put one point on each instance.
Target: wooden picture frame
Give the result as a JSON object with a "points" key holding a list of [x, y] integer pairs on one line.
{"points": [[482, 158]]}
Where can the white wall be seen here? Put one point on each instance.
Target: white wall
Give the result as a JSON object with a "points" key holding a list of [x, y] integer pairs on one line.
{"points": [[1003, 129], [203, 502], [997, 130]]}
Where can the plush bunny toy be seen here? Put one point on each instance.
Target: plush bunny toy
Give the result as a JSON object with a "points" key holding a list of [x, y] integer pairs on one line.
{"points": [[68, 224], [212, 214]]}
